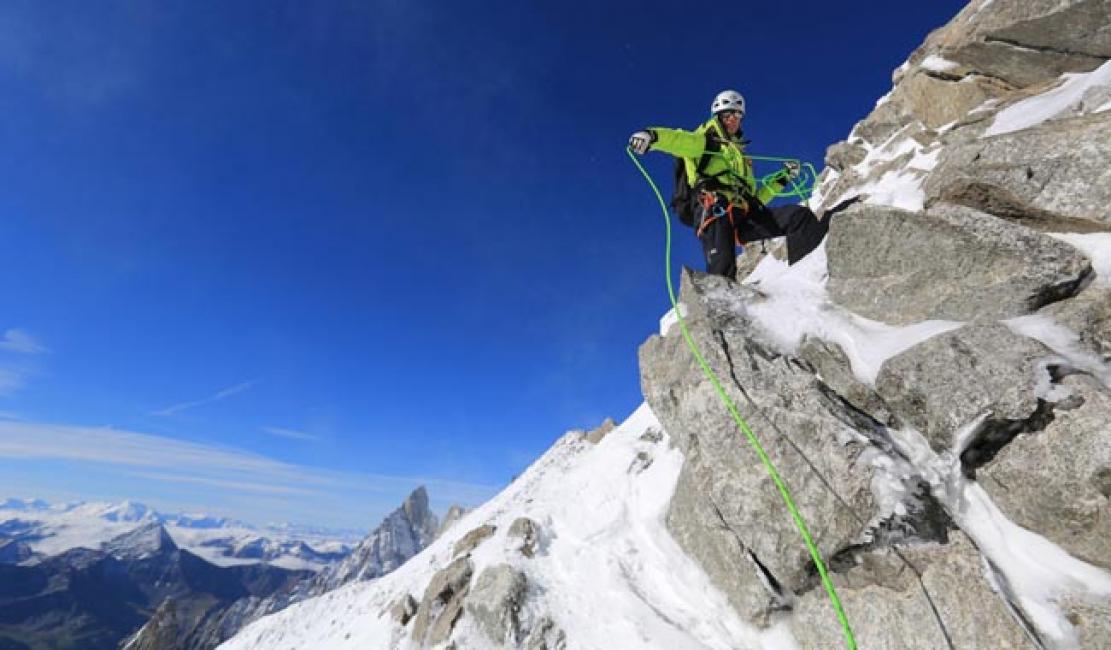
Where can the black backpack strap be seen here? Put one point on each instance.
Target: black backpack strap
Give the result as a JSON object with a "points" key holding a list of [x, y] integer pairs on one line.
{"points": [[701, 179], [712, 145]]}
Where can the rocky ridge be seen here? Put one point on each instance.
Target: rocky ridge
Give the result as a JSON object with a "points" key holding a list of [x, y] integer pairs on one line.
{"points": [[981, 175]]}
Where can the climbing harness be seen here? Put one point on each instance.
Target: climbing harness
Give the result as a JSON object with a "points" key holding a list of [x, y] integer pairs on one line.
{"points": [[801, 188]]}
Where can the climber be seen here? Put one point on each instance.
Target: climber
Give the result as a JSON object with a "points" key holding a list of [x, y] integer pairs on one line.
{"points": [[725, 206]]}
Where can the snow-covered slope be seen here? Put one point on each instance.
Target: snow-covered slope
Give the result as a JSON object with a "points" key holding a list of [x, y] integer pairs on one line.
{"points": [[602, 555]]}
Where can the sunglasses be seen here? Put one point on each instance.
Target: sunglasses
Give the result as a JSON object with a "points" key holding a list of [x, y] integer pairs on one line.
{"points": [[736, 114]]}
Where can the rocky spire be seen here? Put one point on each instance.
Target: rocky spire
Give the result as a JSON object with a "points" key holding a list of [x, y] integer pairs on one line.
{"points": [[400, 536]]}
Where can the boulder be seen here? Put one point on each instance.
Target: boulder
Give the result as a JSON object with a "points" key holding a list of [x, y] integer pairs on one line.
{"points": [[950, 263], [1057, 482], [1089, 315], [887, 609], [442, 603], [1025, 43], [595, 436], [937, 99], [947, 381], [495, 601], [524, 536], [404, 609], [471, 540], [1055, 176]]}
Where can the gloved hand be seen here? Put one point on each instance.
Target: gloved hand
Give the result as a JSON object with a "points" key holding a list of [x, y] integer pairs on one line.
{"points": [[792, 168], [641, 140]]}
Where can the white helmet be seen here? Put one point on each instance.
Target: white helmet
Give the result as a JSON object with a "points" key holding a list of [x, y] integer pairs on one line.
{"points": [[728, 100]]}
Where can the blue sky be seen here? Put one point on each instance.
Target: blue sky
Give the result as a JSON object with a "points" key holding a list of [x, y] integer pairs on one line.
{"points": [[287, 260]]}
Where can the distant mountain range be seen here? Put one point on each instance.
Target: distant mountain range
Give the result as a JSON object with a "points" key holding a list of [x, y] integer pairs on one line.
{"points": [[402, 534], [98, 575], [93, 599], [33, 529]]}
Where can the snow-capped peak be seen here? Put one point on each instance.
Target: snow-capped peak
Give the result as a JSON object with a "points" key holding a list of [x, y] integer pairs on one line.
{"points": [[143, 542]]}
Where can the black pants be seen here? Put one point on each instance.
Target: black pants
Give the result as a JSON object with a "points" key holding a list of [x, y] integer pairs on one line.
{"points": [[803, 231]]}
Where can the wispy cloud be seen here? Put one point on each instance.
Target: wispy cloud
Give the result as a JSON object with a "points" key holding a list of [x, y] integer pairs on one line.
{"points": [[232, 470], [239, 486], [290, 433], [16, 340], [13, 373], [224, 394], [10, 381]]}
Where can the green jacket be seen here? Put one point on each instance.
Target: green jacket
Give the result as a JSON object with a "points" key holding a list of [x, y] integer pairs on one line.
{"points": [[727, 163]]}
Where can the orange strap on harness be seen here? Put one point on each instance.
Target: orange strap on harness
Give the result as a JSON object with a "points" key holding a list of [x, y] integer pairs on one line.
{"points": [[708, 201]]}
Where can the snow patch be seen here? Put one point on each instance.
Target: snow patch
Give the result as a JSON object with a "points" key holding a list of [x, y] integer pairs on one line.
{"points": [[1038, 573], [935, 63], [670, 319], [1078, 94], [1063, 341], [797, 306], [1097, 246], [901, 187]]}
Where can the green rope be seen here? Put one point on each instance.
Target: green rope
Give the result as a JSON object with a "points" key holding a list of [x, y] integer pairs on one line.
{"points": [[801, 187], [850, 641]]}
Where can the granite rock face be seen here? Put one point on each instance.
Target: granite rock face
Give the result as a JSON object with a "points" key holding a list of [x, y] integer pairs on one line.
{"points": [[950, 263], [946, 382], [1089, 315], [1025, 43], [1055, 177], [442, 604], [524, 536], [495, 603], [726, 511], [888, 609], [1057, 481], [471, 540]]}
